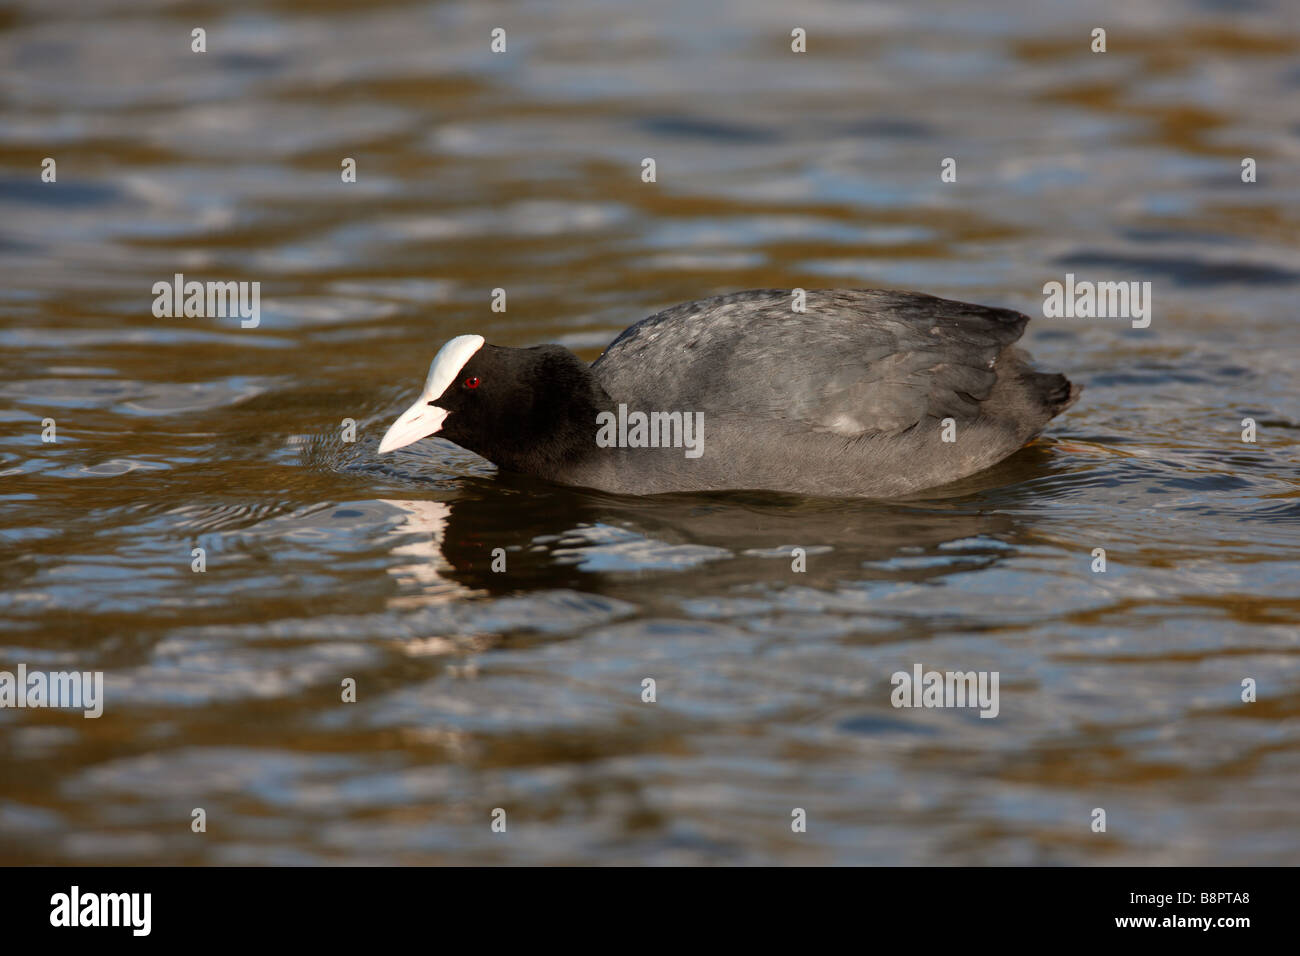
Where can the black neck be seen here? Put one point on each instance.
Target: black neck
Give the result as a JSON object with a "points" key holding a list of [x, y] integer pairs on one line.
{"points": [[554, 425]]}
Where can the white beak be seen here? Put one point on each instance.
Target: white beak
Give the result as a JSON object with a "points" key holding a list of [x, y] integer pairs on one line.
{"points": [[422, 419], [419, 421]]}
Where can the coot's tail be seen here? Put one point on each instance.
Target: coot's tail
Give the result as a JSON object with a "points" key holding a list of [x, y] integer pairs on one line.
{"points": [[1034, 397], [1055, 392]]}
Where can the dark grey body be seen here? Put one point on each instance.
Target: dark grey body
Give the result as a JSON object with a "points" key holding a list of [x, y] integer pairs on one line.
{"points": [[845, 399]]}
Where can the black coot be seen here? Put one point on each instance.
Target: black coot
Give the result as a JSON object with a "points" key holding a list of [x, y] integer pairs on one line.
{"points": [[866, 393]]}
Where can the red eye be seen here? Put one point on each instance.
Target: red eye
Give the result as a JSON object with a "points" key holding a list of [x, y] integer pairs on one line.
{"points": [[471, 382]]}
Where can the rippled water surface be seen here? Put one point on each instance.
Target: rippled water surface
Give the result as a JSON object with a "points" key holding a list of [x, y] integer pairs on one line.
{"points": [[522, 690]]}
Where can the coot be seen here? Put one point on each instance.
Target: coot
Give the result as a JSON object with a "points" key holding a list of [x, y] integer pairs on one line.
{"points": [[864, 393]]}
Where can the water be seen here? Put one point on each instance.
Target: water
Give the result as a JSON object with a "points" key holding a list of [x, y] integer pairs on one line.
{"points": [[522, 690]]}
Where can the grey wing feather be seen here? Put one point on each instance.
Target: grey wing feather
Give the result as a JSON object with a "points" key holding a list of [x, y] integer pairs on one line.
{"points": [[855, 362]]}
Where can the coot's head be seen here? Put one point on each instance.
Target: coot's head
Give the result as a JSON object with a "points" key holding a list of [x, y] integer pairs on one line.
{"points": [[528, 410]]}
